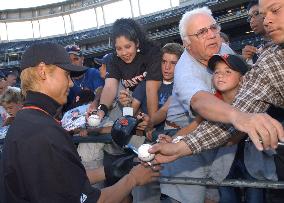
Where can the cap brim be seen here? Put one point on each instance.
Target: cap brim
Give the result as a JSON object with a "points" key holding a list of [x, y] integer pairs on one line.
{"points": [[71, 67], [98, 61], [213, 60], [75, 53]]}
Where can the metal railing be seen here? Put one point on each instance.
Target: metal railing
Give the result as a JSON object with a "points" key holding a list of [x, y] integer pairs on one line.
{"points": [[227, 182], [106, 138]]}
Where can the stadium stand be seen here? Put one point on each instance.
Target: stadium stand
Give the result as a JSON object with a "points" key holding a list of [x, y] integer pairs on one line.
{"points": [[160, 26]]}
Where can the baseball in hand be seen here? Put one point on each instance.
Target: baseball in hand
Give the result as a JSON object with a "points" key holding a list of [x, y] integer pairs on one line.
{"points": [[143, 153], [94, 120]]}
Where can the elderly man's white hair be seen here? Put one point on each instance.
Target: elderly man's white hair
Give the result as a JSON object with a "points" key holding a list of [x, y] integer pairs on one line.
{"points": [[187, 16]]}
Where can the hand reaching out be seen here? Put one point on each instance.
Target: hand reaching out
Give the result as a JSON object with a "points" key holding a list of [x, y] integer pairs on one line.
{"points": [[145, 123], [125, 98], [168, 152], [143, 174], [263, 130], [83, 132], [248, 51]]}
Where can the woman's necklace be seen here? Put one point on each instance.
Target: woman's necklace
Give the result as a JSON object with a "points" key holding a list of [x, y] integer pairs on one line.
{"points": [[79, 84]]}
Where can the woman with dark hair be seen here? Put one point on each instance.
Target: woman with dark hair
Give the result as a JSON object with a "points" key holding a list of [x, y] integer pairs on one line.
{"points": [[136, 59]]}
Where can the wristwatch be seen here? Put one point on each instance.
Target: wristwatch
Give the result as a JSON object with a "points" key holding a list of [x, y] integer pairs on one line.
{"points": [[103, 107]]}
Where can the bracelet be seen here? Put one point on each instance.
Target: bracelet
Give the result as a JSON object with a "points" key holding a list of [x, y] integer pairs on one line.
{"points": [[103, 108], [178, 139]]}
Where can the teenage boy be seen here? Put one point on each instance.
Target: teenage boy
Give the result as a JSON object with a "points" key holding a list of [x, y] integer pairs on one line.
{"points": [[171, 53]]}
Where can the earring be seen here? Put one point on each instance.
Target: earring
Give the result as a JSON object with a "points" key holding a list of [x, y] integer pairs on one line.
{"points": [[138, 50]]}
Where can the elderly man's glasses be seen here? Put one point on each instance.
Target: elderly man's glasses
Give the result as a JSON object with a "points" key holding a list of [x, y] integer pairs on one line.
{"points": [[201, 33], [254, 15]]}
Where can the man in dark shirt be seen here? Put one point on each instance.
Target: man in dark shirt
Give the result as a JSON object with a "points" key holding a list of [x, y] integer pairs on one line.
{"points": [[89, 79], [41, 164], [251, 53], [255, 19]]}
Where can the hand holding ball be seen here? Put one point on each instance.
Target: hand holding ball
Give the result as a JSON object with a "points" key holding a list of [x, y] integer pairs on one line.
{"points": [[94, 120], [143, 153]]}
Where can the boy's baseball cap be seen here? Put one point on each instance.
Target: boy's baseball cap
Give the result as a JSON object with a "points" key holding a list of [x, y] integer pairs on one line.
{"points": [[50, 54], [235, 62], [73, 49], [105, 60], [2, 75]]}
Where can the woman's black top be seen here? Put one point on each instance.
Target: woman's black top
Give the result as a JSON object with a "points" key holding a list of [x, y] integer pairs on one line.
{"points": [[145, 66]]}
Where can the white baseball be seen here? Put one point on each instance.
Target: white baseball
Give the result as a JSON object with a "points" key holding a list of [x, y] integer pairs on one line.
{"points": [[143, 153], [94, 120]]}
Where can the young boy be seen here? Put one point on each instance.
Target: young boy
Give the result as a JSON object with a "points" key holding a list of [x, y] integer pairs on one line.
{"points": [[227, 75], [12, 101], [227, 71]]}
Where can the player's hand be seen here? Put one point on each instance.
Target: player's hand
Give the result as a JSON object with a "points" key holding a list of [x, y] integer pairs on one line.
{"points": [[83, 132], [143, 173], [92, 107]]}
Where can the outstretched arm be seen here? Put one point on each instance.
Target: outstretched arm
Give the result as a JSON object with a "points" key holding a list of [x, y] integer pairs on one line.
{"points": [[152, 88], [139, 175], [108, 94], [260, 87], [161, 114]]}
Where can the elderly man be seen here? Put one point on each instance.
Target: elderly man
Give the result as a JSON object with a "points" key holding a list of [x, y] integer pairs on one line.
{"points": [[40, 161], [262, 86], [192, 83]]}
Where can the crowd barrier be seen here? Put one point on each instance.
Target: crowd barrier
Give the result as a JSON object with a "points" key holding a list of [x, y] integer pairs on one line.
{"points": [[106, 138], [227, 182], [191, 181]]}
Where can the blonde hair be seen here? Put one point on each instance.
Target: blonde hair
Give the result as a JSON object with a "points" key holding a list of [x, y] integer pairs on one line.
{"points": [[11, 95], [30, 80]]}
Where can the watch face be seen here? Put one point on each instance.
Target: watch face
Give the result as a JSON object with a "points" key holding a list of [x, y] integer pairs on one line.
{"points": [[103, 108], [100, 107]]}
